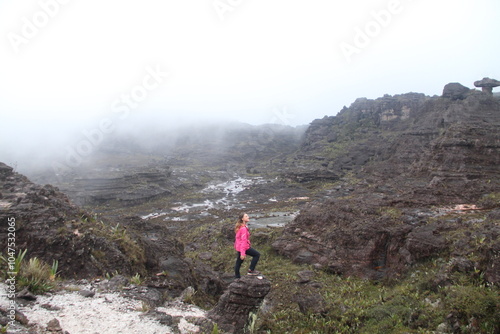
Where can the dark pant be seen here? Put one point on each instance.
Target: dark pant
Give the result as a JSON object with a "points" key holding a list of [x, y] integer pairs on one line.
{"points": [[255, 258]]}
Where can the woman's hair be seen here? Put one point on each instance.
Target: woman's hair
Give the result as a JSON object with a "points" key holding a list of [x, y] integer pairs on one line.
{"points": [[240, 222]]}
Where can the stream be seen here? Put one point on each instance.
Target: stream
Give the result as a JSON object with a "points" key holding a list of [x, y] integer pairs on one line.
{"points": [[223, 195]]}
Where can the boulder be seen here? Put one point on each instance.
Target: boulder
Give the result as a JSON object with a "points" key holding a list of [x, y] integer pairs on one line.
{"points": [[243, 297], [455, 91], [312, 303]]}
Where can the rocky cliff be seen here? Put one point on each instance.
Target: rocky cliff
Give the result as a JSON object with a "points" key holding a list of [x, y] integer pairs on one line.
{"points": [[409, 137], [404, 160]]}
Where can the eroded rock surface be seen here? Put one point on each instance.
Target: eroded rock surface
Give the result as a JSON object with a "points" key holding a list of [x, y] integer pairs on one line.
{"points": [[241, 298]]}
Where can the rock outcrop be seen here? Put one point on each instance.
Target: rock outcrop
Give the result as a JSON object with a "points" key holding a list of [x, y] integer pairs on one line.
{"points": [[411, 139], [365, 237], [487, 84], [242, 298], [51, 228], [393, 155], [455, 91]]}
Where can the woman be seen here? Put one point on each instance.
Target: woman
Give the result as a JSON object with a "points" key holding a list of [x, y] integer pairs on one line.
{"points": [[243, 246]]}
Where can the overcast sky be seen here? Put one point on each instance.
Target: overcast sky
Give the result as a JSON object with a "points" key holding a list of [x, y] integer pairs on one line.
{"points": [[75, 62]]}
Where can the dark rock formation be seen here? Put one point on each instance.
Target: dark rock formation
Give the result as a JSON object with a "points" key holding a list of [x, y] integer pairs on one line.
{"points": [[410, 140], [51, 228], [367, 238], [393, 155], [455, 91], [487, 84], [242, 298]]}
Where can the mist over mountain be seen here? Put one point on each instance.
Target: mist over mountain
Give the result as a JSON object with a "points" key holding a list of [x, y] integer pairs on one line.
{"points": [[385, 189]]}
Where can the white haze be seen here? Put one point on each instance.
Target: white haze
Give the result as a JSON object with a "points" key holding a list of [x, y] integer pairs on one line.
{"points": [[253, 61]]}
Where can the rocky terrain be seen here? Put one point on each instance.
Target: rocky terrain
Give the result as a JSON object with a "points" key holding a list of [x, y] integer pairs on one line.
{"points": [[374, 193], [409, 157]]}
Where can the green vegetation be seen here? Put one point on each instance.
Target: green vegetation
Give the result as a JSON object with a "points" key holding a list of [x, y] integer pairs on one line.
{"points": [[118, 235], [34, 274], [136, 279], [490, 201]]}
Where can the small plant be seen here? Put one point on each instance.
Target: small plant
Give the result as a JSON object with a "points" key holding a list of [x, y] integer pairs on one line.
{"points": [[17, 262], [53, 270], [145, 307], [111, 275], [36, 269], [36, 275], [215, 329], [136, 279]]}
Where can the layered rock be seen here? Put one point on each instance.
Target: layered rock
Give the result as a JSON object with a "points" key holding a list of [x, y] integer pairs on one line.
{"points": [[242, 298], [51, 228], [393, 155], [125, 187], [409, 137], [365, 237]]}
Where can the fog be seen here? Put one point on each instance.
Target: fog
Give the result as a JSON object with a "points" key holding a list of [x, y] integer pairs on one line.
{"points": [[74, 71]]}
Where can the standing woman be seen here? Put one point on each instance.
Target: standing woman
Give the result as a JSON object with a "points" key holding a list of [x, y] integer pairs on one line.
{"points": [[243, 246]]}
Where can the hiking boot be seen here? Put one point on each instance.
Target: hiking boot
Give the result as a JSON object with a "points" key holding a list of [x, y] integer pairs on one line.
{"points": [[253, 272]]}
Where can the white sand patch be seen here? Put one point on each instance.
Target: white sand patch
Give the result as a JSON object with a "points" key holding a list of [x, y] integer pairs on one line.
{"points": [[104, 313]]}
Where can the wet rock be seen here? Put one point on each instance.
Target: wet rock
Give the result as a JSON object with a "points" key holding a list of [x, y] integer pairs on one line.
{"points": [[241, 298]]}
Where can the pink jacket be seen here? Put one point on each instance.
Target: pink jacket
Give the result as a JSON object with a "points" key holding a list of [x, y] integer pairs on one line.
{"points": [[242, 240]]}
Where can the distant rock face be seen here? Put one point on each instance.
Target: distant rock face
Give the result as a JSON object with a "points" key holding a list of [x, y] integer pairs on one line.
{"points": [[242, 297], [406, 138], [455, 91], [126, 187]]}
